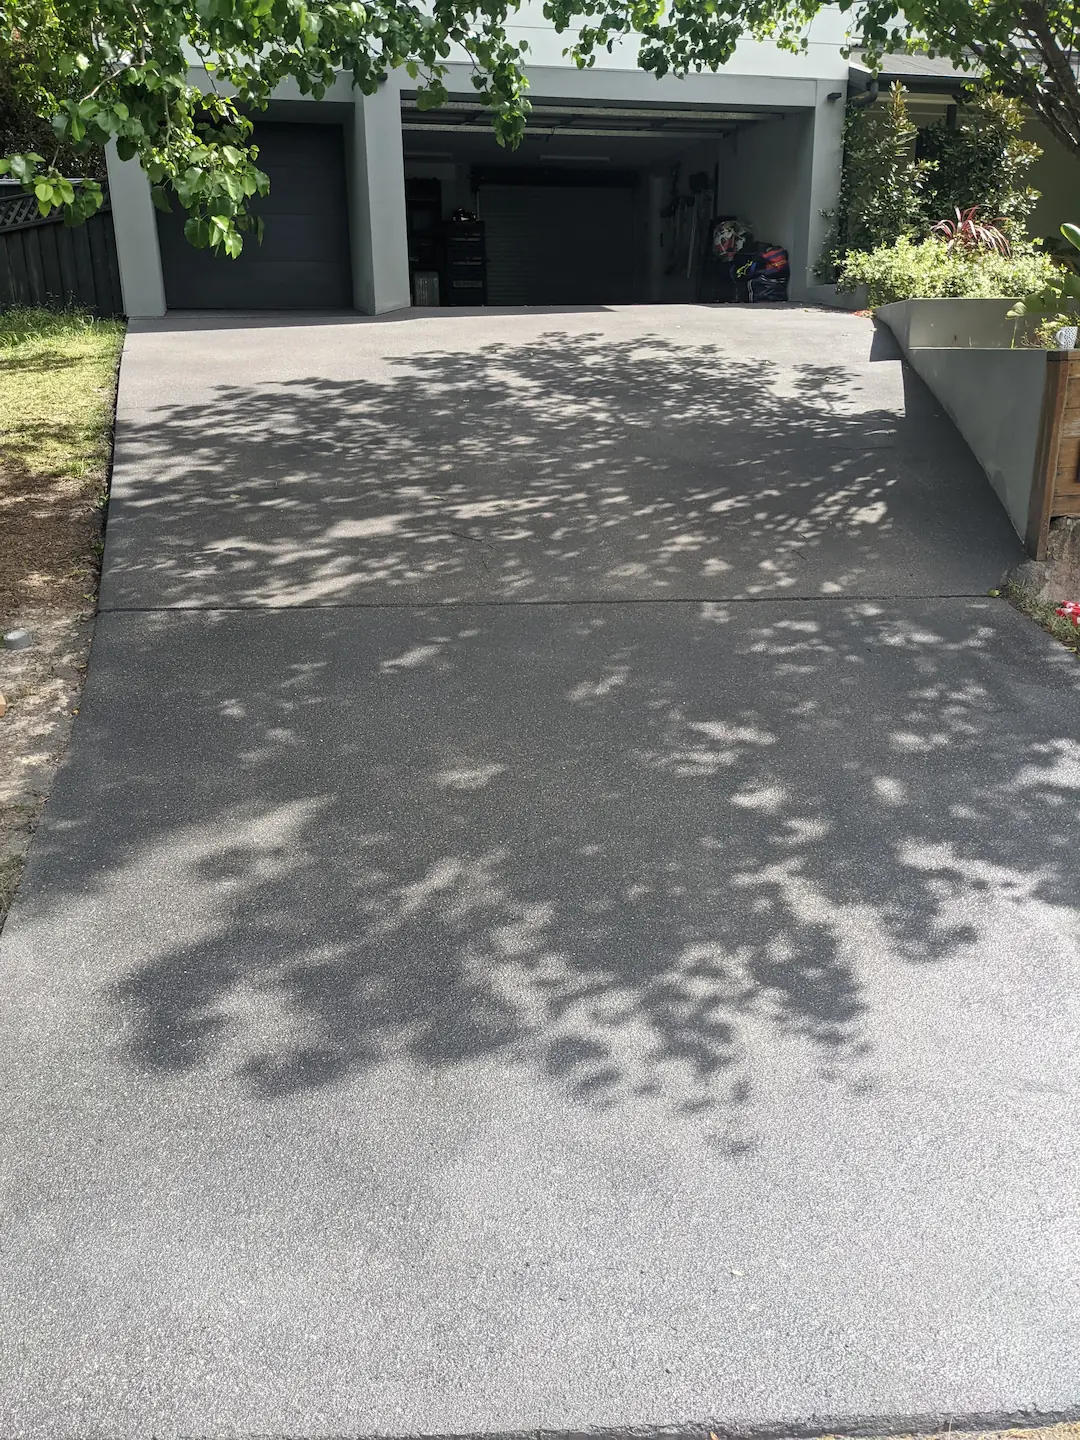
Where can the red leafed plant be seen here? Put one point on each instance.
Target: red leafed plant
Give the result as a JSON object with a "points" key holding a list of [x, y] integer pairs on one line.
{"points": [[970, 231]]}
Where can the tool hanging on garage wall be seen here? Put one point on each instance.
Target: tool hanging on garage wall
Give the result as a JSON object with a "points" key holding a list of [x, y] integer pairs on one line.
{"points": [[685, 230], [704, 199]]}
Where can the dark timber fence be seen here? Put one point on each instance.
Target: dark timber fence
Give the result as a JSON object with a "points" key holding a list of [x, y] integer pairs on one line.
{"points": [[45, 262]]}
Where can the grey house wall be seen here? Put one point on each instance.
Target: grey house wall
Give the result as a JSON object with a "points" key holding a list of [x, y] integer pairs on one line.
{"points": [[376, 184], [135, 222], [763, 183], [780, 176], [1056, 176]]}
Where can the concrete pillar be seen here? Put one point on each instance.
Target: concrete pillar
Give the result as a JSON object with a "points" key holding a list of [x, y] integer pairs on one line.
{"points": [[824, 163], [135, 227], [380, 254]]}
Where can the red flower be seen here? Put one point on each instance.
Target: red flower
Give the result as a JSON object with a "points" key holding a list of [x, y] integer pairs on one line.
{"points": [[1070, 611]]}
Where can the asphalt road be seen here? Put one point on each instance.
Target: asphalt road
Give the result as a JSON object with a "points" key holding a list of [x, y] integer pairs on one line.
{"points": [[580, 979]]}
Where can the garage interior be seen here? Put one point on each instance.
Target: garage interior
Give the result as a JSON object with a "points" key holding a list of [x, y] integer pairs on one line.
{"points": [[601, 203]]}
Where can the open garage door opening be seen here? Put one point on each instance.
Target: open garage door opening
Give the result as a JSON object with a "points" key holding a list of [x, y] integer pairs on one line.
{"points": [[601, 204]]}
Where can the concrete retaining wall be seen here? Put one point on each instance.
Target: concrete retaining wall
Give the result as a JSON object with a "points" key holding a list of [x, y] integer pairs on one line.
{"points": [[958, 324], [992, 394]]}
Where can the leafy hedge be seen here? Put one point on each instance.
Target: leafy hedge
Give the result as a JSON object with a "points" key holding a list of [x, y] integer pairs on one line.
{"points": [[898, 180], [930, 270]]}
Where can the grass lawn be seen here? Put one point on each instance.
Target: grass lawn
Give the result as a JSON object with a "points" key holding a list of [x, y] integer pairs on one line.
{"points": [[57, 387], [57, 394]]}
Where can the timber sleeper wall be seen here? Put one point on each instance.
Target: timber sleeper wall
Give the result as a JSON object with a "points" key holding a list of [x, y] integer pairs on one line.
{"points": [[1055, 489]]}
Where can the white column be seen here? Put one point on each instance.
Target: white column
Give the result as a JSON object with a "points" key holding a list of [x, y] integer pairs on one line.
{"points": [[135, 227], [824, 163], [380, 255]]}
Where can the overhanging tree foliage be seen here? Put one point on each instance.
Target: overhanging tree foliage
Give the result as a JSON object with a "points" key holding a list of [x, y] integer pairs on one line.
{"points": [[102, 69], [1027, 49]]}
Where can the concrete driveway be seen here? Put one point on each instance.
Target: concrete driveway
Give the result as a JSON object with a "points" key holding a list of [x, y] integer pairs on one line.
{"points": [[561, 911]]}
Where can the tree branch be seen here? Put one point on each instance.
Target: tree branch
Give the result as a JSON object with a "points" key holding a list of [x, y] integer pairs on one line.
{"points": [[1046, 43]]}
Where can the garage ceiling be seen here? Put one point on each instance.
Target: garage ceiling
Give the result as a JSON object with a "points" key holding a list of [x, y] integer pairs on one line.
{"points": [[461, 130]]}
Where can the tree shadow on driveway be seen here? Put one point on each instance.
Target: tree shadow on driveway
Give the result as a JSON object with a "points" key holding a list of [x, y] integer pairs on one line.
{"points": [[641, 852], [574, 466], [646, 852]]}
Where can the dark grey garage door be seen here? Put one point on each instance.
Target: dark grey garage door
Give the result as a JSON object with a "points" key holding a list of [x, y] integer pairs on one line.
{"points": [[555, 245], [303, 261]]}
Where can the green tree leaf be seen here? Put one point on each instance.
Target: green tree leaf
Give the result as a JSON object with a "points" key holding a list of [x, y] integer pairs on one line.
{"points": [[197, 231], [101, 68]]}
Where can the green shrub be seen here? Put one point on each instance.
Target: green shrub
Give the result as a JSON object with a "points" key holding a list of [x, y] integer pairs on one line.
{"points": [[1043, 334], [881, 182], [1056, 305], [929, 270], [981, 160], [898, 180]]}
